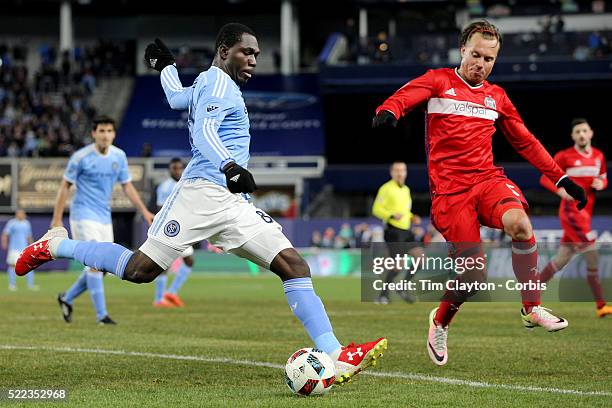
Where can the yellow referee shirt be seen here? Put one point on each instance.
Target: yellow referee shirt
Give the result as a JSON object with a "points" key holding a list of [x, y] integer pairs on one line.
{"points": [[393, 199]]}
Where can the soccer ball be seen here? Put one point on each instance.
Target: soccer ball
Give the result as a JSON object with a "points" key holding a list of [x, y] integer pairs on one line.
{"points": [[310, 372]]}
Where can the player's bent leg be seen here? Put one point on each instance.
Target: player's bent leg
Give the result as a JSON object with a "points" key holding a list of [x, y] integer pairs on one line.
{"points": [[591, 256], [562, 258], [141, 269], [95, 285], [273, 251], [524, 262], [181, 277], [103, 256]]}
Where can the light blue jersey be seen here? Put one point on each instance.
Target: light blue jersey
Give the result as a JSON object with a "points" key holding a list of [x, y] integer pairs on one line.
{"points": [[94, 176], [164, 190], [218, 121], [18, 233]]}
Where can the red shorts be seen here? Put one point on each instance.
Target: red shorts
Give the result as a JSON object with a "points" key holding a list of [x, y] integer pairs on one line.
{"points": [[576, 224], [458, 216]]}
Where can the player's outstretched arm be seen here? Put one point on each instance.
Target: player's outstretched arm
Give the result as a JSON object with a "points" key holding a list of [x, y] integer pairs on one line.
{"points": [[159, 57], [134, 197], [60, 203], [4, 241], [530, 148], [378, 208], [573, 190], [404, 100]]}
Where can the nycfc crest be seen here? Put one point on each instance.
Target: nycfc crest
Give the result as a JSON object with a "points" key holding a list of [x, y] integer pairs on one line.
{"points": [[172, 228]]}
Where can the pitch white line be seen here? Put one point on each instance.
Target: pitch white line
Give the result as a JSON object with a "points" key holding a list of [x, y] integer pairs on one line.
{"points": [[407, 376]]}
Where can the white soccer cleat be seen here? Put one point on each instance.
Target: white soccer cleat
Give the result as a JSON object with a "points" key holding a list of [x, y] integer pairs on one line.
{"points": [[541, 316], [436, 340]]}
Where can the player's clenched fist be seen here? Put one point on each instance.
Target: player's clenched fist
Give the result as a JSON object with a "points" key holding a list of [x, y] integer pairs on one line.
{"points": [[239, 179], [574, 190], [158, 56], [384, 118]]}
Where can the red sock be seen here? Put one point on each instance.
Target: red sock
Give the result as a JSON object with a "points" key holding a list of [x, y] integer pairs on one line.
{"points": [[548, 272], [593, 279], [446, 312], [525, 265]]}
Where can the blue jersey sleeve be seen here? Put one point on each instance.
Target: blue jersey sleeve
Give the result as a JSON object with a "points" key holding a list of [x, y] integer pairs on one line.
{"points": [[29, 229], [72, 169], [8, 227], [124, 171], [212, 107], [159, 194], [177, 96]]}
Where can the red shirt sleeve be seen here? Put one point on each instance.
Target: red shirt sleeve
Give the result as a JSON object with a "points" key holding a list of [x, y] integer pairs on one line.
{"points": [[410, 95], [525, 143], [545, 181]]}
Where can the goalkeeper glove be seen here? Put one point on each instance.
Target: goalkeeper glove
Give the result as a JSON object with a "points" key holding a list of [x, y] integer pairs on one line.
{"points": [[574, 190], [384, 118], [239, 179], [158, 56]]}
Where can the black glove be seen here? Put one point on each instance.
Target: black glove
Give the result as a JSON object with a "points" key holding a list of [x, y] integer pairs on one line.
{"points": [[239, 179], [158, 56], [574, 190], [384, 118]]}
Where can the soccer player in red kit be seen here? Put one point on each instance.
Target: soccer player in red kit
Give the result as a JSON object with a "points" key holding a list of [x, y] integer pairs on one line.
{"points": [[467, 189], [585, 165]]}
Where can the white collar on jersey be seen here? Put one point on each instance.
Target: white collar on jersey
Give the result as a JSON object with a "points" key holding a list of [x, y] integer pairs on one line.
{"points": [[99, 153], [586, 154], [465, 82]]}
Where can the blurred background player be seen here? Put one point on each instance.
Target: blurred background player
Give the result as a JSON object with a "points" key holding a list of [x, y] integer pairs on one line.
{"points": [[17, 235], [171, 298], [585, 165], [393, 205], [94, 170], [467, 188]]}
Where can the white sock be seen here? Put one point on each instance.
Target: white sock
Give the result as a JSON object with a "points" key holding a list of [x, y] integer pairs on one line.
{"points": [[335, 354]]}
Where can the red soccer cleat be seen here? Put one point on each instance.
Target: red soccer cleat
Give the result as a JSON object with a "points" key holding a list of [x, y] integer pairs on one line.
{"points": [[355, 358], [174, 299], [38, 252]]}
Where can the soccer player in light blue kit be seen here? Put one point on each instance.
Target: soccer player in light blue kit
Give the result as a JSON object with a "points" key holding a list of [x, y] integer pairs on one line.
{"points": [[209, 201], [94, 170], [16, 235], [170, 298]]}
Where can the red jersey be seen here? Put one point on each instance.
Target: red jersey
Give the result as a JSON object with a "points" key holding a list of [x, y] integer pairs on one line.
{"points": [[582, 168], [460, 125]]}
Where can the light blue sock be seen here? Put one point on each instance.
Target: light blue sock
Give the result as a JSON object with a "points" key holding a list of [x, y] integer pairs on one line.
{"points": [[96, 290], [308, 308], [103, 256], [180, 278], [77, 288], [12, 276], [31, 279], [160, 286]]}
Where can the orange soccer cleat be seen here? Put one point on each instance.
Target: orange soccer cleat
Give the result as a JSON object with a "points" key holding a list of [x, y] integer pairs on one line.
{"points": [[174, 299]]}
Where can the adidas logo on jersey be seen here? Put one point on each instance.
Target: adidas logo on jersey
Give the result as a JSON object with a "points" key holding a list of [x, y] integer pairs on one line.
{"points": [[235, 178], [211, 108], [450, 92]]}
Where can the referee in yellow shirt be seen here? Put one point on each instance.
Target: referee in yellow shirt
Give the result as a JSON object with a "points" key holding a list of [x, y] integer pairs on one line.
{"points": [[393, 205]]}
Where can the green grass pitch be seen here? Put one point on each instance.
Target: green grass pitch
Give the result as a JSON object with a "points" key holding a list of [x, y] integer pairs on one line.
{"points": [[227, 346]]}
